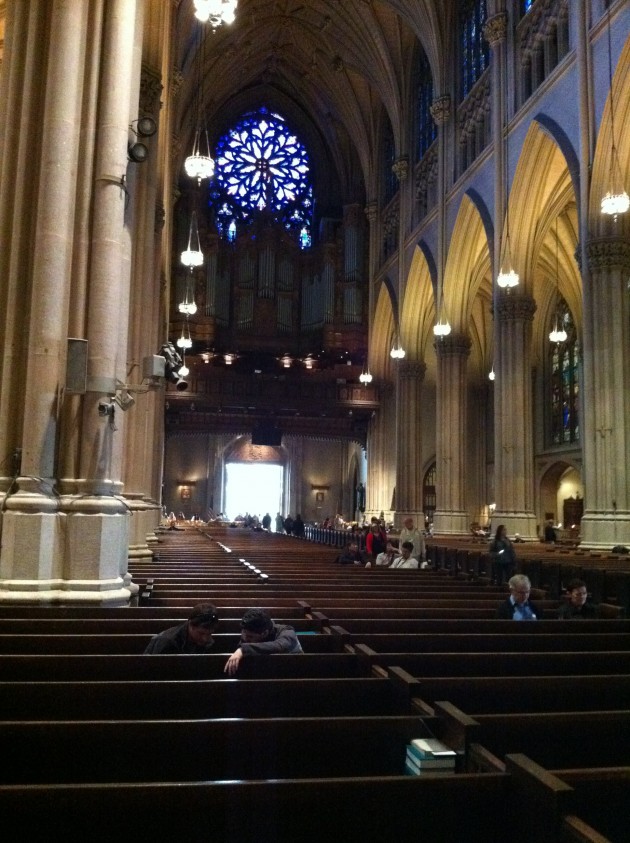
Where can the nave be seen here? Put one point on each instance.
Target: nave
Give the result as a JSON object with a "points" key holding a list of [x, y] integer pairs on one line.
{"points": [[113, 744]]}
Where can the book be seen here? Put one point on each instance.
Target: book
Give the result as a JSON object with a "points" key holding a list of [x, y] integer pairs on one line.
{"points": [[430, 763], [431, 748], [412, 769]]}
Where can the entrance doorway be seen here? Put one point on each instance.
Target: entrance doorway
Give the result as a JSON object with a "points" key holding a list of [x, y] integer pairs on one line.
{"points": [[255, 488]]}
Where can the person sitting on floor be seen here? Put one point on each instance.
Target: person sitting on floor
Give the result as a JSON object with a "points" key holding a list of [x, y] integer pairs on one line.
{"points": [[577, 605], [261, 636], [405, 560], [192, 636], [518, 606]]}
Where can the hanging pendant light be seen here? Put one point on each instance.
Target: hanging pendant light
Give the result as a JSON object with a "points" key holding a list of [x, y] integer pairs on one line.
{"points": [[185, 341], [365, 377], [215, 12], [491, 374], [507, 277], [616, 201], [193, 256], [397, 352], [188, 306], [558, 335], [199, 164]]}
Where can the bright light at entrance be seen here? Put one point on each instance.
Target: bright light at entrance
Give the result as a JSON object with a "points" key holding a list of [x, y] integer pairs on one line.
{"points": [[253, 487]]}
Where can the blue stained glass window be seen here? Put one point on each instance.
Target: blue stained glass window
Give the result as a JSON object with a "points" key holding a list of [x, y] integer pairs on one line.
{"points": [[261, 166], [526, 6], [425, 128], [565, 382], [474, 49]]}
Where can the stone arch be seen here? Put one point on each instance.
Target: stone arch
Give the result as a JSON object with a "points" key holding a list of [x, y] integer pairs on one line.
{"points": [[550, 485], [468, 282], [383, 328], [418, 310]]}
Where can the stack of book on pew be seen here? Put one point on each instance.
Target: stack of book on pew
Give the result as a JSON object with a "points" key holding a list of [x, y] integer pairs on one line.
{"points": [[428, 755]]}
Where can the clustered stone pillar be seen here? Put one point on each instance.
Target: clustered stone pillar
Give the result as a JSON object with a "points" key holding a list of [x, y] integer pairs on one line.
{"points": [[606, 395], [451, 516], [514, 450], [409, 438]]}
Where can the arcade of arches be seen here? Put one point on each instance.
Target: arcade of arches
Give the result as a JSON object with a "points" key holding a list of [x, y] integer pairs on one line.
{"points": [[378, 163]]}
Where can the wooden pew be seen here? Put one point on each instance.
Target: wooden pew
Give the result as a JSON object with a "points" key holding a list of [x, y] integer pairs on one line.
{"points": [[164, 699], [450, 808], [109, 751], [44, 668], [477, 642]]}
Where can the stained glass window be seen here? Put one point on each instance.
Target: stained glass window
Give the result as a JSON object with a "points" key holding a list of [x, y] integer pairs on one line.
{"points": [[526, 6], [425, 128], [389, 156], [475, 51], [262, 167], [565, 382]]}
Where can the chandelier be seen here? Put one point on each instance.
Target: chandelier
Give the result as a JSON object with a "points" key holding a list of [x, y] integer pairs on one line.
{"points": [[185, 341], [192, 256], [215, 12], [507, 278], [491, 374], [616, 201], [365, 377], [188, 306], [397, 352], [199, 164]]}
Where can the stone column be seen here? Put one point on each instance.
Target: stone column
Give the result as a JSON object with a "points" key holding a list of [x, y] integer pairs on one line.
{"points": [[381, 455], [606, 395], [513, 448], [409, 439], [451, 516], [143, 332]]}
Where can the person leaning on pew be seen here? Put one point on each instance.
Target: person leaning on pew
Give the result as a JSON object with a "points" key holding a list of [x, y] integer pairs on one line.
{"points": [[518, 606], [192, 636], [577, 605], [261, 636]]}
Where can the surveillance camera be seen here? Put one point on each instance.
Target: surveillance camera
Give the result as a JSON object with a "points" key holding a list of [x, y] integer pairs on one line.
{"points": [[106, 408]]}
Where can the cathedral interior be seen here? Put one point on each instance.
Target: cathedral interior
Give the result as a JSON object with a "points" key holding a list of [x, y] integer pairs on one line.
{"points": [[383, 244]]}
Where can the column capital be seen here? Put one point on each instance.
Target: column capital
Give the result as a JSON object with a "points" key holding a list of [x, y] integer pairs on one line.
{"points": [[495, 29], [441, 109], [605, 253], [410, 370], [515, 306], [453, 345], [400, 168]]}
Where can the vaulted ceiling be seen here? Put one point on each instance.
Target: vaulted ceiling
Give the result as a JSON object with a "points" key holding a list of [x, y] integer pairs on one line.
{"points": [[332, 67]]}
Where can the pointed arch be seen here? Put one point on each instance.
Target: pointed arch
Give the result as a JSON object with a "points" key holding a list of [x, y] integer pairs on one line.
{"points": [[383, 328], [418, 310]]}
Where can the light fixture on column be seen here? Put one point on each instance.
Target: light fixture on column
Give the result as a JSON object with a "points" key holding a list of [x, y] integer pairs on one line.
{"points": [[558, 335], [199, 164], [397, 352], [185, 341], [616, 201], [308, 362], [491, 374], [442, 328], [215, 12], [507, 277], [192, 256], [228, 359]]}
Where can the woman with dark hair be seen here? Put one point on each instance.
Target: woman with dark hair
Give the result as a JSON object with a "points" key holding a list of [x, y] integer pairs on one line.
{"points": [[503, 556]]}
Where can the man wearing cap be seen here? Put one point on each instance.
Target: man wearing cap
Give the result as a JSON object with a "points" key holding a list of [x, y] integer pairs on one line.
{"points": [[192, 636], [261, 636]]}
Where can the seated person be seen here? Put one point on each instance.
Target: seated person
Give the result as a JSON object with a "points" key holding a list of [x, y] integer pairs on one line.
{"points": [[405, 560], [550, 533], [387, 556], [518, 606], [351, 555], [192, 636], [578, 605], [261, 636]]}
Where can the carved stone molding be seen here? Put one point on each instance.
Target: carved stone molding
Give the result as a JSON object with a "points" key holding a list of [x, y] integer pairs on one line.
{"points": [[441, 109], [160, 217], [400, 168], [606, 253], [150, 91], [513, 307], [177, 80], [495, 29], [453, 345], [371, 211], [408, 370]]}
